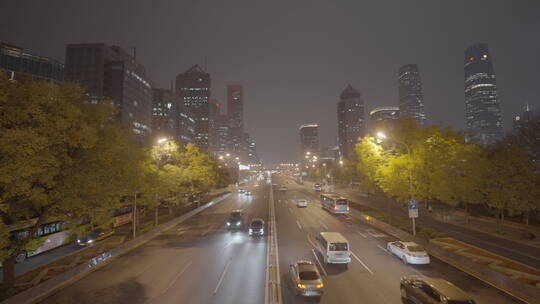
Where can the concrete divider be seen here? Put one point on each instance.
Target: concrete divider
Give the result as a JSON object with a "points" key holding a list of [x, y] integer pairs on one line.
{"points": [[41, 291], [515, 288]]}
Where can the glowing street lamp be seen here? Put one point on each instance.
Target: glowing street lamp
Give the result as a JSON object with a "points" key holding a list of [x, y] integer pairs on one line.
{"points": [[381, 135], [161, 140]]}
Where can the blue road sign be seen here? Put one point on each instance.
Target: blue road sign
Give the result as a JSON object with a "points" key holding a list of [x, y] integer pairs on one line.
{"points": [[413, 204]]}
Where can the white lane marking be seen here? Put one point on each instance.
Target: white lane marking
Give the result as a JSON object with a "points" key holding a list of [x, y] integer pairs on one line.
{"points": [[376, 234], [181, 232], [319, 262], [363, 235], [298, 224], [358, 259], [177, 276], [384, 249], [324, 226], [206, 231], [290, 210], [222, 276], [144, 269], [228, 244]]}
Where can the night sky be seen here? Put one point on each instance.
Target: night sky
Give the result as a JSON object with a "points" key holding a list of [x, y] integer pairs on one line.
{"points": [[295, 57]]}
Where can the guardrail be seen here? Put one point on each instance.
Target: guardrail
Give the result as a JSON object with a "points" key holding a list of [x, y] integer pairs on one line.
{"points": [[517, 289], [41, 291], [272, 293]]}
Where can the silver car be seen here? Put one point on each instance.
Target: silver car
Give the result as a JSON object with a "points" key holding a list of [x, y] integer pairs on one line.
{"points": [[306, 279]]}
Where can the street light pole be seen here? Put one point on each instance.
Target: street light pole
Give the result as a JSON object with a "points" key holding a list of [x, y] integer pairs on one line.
{"points": [[382, 136]]}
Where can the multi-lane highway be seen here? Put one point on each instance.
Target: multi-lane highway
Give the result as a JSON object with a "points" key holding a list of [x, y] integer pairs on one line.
{"points": [[373, 275], [196, 262], [199, 261]]}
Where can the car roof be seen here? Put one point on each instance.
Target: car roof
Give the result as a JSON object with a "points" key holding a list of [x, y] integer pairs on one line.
{"points": [[444, 287], [307, 267], [409, 243], [334, 237], [257, 219]]}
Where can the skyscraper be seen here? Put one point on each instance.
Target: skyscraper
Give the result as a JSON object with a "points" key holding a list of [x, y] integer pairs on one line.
{"points": [[351, 123], [109, 71], [411, 100], [482, 109], [309, 139], [381, 117], [223, 144], [235, 110], [14, 60], [193, 86], [164, 113], [213, 125]]}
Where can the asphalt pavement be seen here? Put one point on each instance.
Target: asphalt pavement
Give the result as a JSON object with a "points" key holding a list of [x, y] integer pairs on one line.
{"points": [[198, 261], [373, 274]]}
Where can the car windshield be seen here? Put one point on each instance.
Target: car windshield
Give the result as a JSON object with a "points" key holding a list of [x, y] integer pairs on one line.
{"points": [[415, 248], [341, 202], [256, 224], [309, 275], [338, 247]]}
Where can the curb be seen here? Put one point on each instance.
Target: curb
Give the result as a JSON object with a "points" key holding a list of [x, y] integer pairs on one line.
{"points": [[41, 291]]}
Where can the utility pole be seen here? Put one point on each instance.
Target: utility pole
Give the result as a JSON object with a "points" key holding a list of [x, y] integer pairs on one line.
{"points": [[135, 215]]}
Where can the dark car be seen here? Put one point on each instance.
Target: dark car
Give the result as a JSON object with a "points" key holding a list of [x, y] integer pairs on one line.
{"points": [[421, 289], [94, 236], [256, 227], [235, 220]]}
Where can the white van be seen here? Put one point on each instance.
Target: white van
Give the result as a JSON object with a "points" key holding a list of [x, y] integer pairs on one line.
{"points": [[334, 248]]}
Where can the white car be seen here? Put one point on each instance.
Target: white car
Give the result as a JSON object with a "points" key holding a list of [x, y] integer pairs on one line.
{"points": [[408, 252], [301, 203]]}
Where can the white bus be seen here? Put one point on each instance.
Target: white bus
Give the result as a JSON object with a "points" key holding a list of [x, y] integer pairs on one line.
{"points": [[334, 203], [334, 248], [53, 234]]}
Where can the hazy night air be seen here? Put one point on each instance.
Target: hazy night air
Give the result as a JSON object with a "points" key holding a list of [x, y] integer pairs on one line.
{"points": [[293, 58], [276, 152]]}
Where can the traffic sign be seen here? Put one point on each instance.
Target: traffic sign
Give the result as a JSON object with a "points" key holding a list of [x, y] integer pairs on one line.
{"points": [[413, 204], [413, 213]]}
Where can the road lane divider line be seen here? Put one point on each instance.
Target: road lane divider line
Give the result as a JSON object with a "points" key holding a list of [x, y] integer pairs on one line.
{"points": [[363, 235], [319, 262], [384, 249], [177, 276], [222, 276], [324, 225], [228, 244], [298, 224], [360, 261]]}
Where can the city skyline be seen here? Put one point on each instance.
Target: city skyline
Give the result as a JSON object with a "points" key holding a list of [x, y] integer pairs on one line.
{"points": [[316, 68]]}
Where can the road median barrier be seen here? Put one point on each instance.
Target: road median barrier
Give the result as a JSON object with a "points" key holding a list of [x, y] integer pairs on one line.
{"points": [[46, 288], [512, 281]]}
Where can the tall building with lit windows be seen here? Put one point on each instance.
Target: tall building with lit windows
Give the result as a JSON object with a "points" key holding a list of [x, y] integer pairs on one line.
{"points": [[16, 60], [193, 86], [411, 99], [351, 123], [235, 110], [309, 139], [482, 108], [109, 71], [164, 113]]}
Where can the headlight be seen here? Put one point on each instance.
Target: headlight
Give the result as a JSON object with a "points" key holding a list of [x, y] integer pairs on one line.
{"points": [[238, 224], [320, 285], [250, 231], [301, 285], [228, 224], [262, 230], [90, 241], [78, 241]]}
